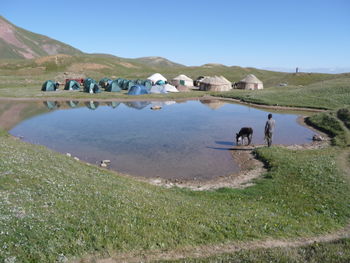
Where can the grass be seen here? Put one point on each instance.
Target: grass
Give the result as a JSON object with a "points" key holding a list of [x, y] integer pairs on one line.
{"points": [[53, 207], [337, 251]]}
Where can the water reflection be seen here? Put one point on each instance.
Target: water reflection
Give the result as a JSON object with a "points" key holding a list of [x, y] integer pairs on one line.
{"points": [[113, 104], [213, 104], [92, 105], [52, 105], [72, 104], [138, 105]]}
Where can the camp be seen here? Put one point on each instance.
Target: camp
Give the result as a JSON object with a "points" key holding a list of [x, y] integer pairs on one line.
{"points": [[138, 90], [91, 86], [182, 80], [157, 77], [215, 84], [50, 85], [113, 86], [250, 82], [72, 85], [127, 84]]}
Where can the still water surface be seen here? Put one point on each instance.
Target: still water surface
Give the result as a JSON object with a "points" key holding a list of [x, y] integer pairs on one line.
{"points": [[188, 140]]}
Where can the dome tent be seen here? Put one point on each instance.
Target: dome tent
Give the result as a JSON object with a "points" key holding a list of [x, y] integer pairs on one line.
{"points": [[91, 86], [113, 87], [157, 89], [72, 85], [250, 82], [92, 105], [50, 85], [182, 80], [127, 84], [215, 84], [156, 77], [139, 105], [170, 88], [104, 82], [138, 90]]}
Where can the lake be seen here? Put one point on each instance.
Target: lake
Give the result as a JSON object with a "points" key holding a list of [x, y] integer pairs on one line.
{"points": [[183, 140]]}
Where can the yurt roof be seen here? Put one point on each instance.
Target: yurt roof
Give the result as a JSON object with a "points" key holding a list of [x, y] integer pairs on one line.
{"points": [[157, 76], [215, 80], [251, 79], [183, 77]]}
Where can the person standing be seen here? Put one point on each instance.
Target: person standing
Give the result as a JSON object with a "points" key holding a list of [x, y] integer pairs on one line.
{"points": [[269, 129]]}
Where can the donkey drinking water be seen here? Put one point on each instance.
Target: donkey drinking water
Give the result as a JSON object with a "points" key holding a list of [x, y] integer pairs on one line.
{"points": [[245, 132]]}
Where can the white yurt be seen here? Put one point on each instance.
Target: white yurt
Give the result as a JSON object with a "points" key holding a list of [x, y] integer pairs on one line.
{"points": [[182, 80], [156, 77], [215, 84], [250, 82]]}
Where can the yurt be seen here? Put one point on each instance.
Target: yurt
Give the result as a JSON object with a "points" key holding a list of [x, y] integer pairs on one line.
{"points": [[182, 80], [156, 77], [250, 82], [215, 84]]}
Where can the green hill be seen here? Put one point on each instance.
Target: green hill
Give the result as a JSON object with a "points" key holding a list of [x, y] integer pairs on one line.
{"points": [[19, 43]]}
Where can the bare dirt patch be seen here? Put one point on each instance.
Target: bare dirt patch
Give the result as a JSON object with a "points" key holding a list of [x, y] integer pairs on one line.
{"points": [[79, 67]]}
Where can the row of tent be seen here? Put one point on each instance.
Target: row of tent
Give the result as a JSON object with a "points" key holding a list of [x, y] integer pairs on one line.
{"points": [[157, 83]]}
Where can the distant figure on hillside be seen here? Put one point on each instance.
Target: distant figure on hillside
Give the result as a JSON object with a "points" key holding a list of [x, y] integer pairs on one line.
{"points": [[269, 129]]}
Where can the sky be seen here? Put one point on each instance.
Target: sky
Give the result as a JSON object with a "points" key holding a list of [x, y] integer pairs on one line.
{"points": [[313, 35]]}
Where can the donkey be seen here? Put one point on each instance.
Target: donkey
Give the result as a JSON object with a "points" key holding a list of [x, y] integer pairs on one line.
{"points": [[244, 132]]}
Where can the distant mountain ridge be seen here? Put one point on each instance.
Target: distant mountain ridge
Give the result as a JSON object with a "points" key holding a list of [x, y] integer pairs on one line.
{"points": [[157, 62], [19, 43]]}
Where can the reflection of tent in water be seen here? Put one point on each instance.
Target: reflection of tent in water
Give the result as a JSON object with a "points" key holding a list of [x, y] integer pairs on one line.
{"points": [[213, 104], [92, 105], [139, 105], [113, 104], [72, 85], [51, 105], [72, 104], [50, 85]]}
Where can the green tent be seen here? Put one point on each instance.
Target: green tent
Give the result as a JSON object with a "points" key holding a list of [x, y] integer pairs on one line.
{"points": [[50, 85], [113, 87], [147, 83], [91, 86], [72, 85], [127, 84], [104, 83]]}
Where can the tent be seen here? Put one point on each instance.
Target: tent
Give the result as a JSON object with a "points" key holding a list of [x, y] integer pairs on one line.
{"points": [[50, 85], [113, 86], [170, 88], [214, 84], [138, 90], [127, 84], [156, 77], [139, 105], [147, 83], [72, 104], [113, 104], [91, 86], [156, 89], [182, 80], [92, 105], [249, 82], [72, 85], [104, 82]]}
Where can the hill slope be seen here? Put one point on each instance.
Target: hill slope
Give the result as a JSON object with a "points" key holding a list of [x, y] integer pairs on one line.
{"points": [[19, 43]]}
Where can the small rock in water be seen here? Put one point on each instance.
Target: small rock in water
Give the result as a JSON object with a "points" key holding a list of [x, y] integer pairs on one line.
{"points": [[156, 107], [76, 158], [68, 154], [317, 137], [103, 165], [106, 161]]}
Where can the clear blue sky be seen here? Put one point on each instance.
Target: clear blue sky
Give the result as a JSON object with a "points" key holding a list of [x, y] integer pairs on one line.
{"points": [[256, 33]]}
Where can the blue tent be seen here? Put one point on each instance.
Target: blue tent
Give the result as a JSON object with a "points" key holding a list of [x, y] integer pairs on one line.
{"points": [[160, 82], [138, 90]]}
